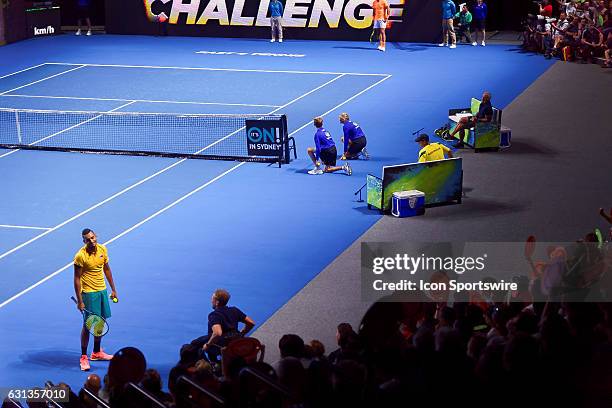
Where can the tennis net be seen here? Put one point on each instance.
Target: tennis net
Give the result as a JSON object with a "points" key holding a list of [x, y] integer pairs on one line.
{"points": [[201, 136]]}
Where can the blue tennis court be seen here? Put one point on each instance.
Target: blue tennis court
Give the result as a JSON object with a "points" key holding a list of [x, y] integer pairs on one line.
{"points": [[177, 229]]}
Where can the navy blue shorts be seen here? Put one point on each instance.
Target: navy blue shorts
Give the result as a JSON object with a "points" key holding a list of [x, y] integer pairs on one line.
{"points": [[83, 11], [329, 156], [357, 146]]}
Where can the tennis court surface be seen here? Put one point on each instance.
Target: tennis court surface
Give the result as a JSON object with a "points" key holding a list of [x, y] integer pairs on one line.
{"points": [[177, 229]]}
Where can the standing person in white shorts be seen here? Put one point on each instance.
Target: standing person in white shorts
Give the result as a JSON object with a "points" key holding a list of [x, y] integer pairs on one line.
{"points": [[381, 15], [276, 14]]}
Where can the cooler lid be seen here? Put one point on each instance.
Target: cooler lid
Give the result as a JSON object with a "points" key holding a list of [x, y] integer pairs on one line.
{"points": [[408, 194]]}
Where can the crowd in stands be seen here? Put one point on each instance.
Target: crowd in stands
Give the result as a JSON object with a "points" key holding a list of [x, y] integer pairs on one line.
{"points": [[575, 30], [477, 351]]}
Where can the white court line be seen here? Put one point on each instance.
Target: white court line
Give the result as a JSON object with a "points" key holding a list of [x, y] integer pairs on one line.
{"points": [[44, 79], [23, 227], [68, 265], [79, 98], [23, 70], [218, 69], [67, 129]]}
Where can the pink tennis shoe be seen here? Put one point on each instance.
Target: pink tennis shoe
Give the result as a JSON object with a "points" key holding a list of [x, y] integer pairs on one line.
{"points": [[101, 355], [84, 363]]}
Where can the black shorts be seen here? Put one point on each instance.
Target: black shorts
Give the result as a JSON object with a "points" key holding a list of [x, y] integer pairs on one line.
{"points": [[479, 25], [329, 156], [83, 11], [357, 146]]}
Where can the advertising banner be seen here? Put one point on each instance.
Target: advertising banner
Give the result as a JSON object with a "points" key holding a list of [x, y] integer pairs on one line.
{"points": [[410, 20], [263, 137]]}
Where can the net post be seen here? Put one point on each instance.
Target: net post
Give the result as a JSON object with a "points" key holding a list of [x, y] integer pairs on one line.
{"points": [[285, 139], [18, 125]]}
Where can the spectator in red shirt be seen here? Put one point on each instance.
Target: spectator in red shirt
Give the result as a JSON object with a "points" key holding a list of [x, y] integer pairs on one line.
{"points": [[546, 9]]}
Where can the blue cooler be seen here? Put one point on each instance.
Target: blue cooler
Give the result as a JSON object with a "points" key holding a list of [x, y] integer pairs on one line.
{"points": [[408, 203]]}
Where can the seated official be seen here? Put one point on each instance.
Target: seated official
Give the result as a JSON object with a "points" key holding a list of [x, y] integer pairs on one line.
{"points": [[324, 151], [354, 139], [222, 325], [485, 114], [431, 151]]}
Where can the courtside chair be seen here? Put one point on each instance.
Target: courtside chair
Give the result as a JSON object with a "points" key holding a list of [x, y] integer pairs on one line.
{"points": [[484, 135]]}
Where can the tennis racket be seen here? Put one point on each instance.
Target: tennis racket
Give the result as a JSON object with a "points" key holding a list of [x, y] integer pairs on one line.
{"points": [[372, 39], [94, 324]]}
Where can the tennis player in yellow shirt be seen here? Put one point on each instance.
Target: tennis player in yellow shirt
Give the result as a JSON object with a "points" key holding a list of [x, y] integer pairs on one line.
{"points": [[433, 151], [90, 268]]}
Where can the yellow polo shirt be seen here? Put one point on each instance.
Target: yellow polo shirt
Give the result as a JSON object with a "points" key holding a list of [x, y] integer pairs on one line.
{"points": [[92, 276], [433, 151]]}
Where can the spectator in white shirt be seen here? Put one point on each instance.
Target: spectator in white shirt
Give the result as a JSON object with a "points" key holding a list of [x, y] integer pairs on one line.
{"points": [[570, 8], [559, 29]]}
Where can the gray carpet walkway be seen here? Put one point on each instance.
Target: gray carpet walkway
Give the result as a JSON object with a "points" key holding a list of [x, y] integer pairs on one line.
{"points": [[550, 183]]}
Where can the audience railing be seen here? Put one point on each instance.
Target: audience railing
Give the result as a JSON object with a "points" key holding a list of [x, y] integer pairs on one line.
{"points": [[207, 393], [247, 374], [99, 401], [146, 395]]}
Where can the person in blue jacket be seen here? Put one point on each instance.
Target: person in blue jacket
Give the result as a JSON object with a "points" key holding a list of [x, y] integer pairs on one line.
{"points": [[480, 16], [325, 151], [276, 14], [448, 13], [354, 139]]}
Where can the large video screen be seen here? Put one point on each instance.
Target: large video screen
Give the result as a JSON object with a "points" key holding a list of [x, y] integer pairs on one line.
{"points": [[410, 20]]}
